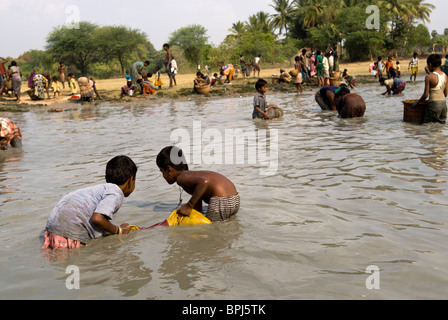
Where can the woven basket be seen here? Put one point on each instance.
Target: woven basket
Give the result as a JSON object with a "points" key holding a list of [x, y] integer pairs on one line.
{"points": [[335, 82], [203, 89], [294, 73], [414, 114], [336, 74]]}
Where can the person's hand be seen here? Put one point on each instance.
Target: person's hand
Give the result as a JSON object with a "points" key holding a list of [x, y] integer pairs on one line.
{"points": [[125, 228], [185, 210]]}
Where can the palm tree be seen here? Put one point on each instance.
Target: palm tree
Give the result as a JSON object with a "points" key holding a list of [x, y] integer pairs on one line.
{"points": [[284, 14], [420, 10], [237, 30], [260, 22], [310, 10], [406, 10]]}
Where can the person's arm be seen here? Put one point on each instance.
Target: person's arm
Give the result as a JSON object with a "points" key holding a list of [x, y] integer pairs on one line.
{"points": [[425, 94], [331, 98], [202, 185], [103, 223], [446, 89], [265, 114], [97, 93]]}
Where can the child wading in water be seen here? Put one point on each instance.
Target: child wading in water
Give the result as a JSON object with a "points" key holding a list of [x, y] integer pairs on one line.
{"points": [[260, 107], [86, 214], [211, 187], [436, 87]]}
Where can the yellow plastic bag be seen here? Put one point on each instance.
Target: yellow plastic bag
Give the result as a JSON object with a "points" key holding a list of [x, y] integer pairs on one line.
{"points": [[194, 218]]}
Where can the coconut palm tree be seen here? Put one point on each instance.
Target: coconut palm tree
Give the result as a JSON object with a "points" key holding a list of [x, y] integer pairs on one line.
{"points": [[285, 11], [260, 22], [420, 10], [310, 10], [237, 30]]}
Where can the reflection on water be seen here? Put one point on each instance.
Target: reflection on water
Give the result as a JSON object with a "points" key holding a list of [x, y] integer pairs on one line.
{"points": [[346, 194]]}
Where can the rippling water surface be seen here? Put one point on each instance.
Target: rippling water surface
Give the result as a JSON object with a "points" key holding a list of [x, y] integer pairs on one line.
{"points": [[346, 194]]}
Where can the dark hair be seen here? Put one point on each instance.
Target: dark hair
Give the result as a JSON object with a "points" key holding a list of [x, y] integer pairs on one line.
{"points": [[342, 91], [260, 83], [435, 60], [120, 169], [13, 63], [147, 62], [382, 79], [173, 157], [166, 45]]}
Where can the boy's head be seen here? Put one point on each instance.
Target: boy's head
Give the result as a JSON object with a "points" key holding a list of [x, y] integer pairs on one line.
{"points": [[341, 91], [260, 84], [122, 171], [170, 161], [434, 61]]}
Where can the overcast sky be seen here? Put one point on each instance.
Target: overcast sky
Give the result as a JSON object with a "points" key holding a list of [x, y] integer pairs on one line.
{"points": [[27, 23]]}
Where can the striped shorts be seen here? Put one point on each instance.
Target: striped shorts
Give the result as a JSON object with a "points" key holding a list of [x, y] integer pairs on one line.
{"points": [[222, 208]]}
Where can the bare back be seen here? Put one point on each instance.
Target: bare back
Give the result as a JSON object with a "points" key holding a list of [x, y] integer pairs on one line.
{"points": [[215, 184]]}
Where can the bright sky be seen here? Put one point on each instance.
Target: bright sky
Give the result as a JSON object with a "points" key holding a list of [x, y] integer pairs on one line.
{"points": [[27, 23]]}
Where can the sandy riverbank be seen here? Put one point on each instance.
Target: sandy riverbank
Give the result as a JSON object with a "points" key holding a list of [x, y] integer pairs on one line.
{"points": [[110, 89]]}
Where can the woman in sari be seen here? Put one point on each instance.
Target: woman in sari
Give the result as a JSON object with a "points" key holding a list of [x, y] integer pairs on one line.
{"points": [[39, 87], [136, 72], [16, 77]]}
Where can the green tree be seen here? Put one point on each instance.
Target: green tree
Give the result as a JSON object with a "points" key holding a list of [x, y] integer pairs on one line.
{"points": [[120, 42], [193, 41], [78, 46], [421, 39], [285, 12], [260, 22]]}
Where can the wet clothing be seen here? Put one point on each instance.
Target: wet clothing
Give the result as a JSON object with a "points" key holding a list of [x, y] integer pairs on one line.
{"points": [[222, 208], [260, 102], [436, 110], [321, 97], [351, 106], [71, 218]]}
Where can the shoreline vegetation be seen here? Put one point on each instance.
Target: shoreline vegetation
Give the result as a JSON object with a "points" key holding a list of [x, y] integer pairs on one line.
{"points": [[110, 90]]}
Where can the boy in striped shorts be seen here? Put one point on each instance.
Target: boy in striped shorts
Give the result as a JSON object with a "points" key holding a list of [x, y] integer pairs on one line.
{"points": [[211, 187]]}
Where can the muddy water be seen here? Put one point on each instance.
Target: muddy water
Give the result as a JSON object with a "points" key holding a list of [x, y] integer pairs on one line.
{"points": [[344, 195]]}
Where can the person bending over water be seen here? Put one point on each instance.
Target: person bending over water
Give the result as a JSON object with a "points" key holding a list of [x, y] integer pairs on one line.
{"points": [[351, 105], [211, 187], [86, 214], [326, 96]]}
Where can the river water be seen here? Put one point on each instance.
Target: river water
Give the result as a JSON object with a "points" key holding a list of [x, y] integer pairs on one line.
{"points": [[336, 198]]}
